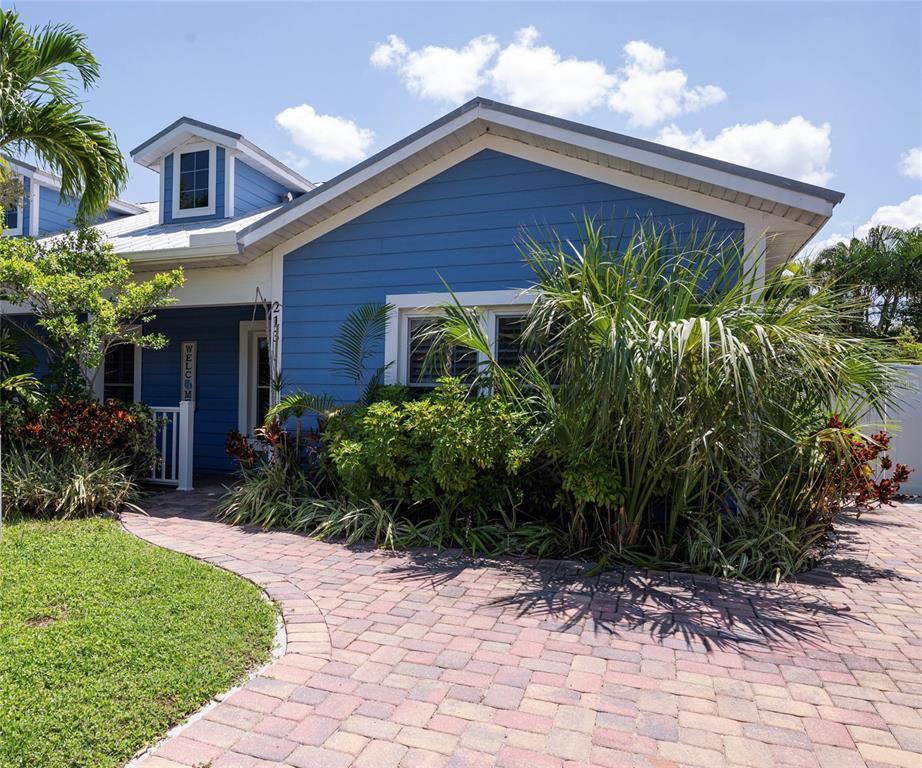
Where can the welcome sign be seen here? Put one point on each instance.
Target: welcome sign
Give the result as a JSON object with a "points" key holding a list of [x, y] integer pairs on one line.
{"points": [[187, 369]]}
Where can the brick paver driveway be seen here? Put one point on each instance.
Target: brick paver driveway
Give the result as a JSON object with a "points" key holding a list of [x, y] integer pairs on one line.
{"points": [[430, 660]]}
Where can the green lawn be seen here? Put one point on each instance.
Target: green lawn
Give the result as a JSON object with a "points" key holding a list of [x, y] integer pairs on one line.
{"points": [[107, 641]]}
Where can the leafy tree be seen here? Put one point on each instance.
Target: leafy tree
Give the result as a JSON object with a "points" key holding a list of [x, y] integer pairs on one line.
{"points": [[84, 298], [43, 73], [882, 273]]}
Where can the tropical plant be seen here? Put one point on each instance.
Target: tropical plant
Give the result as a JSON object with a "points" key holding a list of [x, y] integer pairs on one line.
{"points": [[881, 274], [17, 382], [669, 390], [123, 432], [358, 342], [443, 451], [44, 72], [85, 300], [75, 483]]}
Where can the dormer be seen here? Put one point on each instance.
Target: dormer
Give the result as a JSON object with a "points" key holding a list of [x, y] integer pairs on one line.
{"points": [[43, 211], [207, 172]]}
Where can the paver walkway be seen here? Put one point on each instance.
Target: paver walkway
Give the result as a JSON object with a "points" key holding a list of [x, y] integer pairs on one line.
{"points": [[430, 660]]}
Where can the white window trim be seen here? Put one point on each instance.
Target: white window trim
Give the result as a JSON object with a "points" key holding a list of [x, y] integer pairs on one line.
{"points": [[246, 374], [492, 304], [205, 210], [17, 230], [99, 384]]}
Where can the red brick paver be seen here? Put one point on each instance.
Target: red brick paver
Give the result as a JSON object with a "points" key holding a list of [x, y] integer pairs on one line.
{"points": [[436, 660]]}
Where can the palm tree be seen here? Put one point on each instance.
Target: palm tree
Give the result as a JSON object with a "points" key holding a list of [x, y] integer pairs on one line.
{"points": [[43, 72]]}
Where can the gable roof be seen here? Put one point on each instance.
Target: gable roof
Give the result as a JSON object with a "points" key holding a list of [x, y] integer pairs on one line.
{"points": [[47, 179], [789, 212], [794, 211], [149, 153]]}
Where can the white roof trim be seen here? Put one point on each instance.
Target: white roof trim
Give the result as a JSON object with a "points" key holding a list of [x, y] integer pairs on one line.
{"points": [[330, 191], [662, 162], [722, 178], [150, 154]]}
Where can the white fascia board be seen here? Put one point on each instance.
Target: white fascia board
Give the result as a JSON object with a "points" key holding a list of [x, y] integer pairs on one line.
{"points": [[125, 207], [756, 222], [151, 155], [667, 164], [654, 160], [187, 255], [276, 171], [334, 191]]}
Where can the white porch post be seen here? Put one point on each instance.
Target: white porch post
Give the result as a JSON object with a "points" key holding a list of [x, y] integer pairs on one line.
{"points": [[186, 417]]}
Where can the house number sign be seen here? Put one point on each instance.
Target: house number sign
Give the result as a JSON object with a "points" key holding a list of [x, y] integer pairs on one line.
{"points": [[188, 370]]}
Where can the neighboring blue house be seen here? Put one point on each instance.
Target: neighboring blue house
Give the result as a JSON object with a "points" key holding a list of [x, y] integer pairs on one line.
{"points": [[446, 203], [43, 211]]}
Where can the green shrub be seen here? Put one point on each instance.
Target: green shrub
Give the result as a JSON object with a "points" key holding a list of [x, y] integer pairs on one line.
{"points": [[64, 484], [121, 432], [445, 450], [669, 410]]}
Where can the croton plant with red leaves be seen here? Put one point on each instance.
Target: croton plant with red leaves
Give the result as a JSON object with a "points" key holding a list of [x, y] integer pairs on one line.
{"points": [[855, 474]]}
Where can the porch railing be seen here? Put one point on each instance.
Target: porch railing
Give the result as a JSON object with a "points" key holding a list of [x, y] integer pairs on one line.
{"points": [[173, 441]]}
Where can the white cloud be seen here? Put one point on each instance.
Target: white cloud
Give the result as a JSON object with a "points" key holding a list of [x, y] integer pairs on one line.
{"points": [[904, 215], [390, 53], [649, 93], [536, 77], [911, 163], [328, 137], [797, 149], [438, 73]]}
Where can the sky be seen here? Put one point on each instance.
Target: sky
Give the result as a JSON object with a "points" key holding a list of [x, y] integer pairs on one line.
{"points": [[829, 93]]}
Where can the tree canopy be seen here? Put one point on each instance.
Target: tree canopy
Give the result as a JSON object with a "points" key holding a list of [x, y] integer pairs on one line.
{"points": [[44, 72], [83, 296], [883, 273]]}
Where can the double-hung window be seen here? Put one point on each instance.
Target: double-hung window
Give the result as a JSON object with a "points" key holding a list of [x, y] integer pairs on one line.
{"points": [[194, 180]]}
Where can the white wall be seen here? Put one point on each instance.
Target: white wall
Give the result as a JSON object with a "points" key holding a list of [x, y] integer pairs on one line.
{"points": [[906, 445]]}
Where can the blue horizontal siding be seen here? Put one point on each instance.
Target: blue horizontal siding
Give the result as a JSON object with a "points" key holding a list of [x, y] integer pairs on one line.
{"points": [[220, 190], [461, 226], [217, 332], [54, 214], [254, 190]]}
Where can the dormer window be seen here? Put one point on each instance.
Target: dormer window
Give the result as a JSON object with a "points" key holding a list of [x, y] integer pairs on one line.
{"points": [[194, 180]]}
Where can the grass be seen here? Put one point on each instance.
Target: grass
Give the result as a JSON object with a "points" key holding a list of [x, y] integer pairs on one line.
{"points": [[107, 641]]}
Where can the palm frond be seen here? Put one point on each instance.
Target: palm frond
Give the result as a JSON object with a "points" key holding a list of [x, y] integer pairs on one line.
{"points": [[359, 340]]}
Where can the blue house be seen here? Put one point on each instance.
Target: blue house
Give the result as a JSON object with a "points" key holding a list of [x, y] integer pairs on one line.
{"points": [[275, 263], [43, 211]]}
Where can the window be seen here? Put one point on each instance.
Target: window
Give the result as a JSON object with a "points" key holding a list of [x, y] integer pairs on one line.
{"points": [[255, 380], [406, 345], [11, 217], [422, 370], [120, 373], [194, 182], [260, 379], [508, 336]]}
